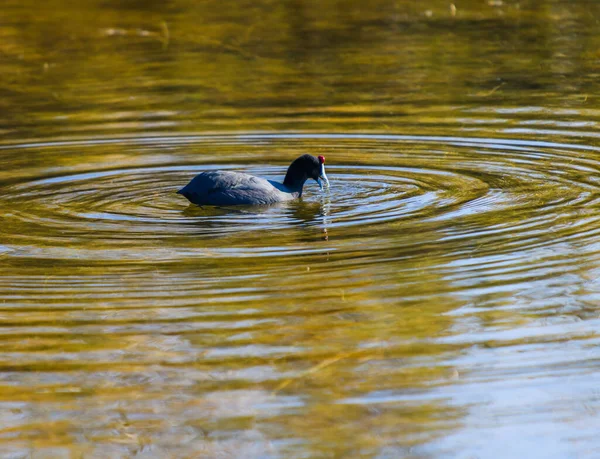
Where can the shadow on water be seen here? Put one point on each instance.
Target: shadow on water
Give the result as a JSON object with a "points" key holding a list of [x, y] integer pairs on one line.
{"points": [[298, 212]]}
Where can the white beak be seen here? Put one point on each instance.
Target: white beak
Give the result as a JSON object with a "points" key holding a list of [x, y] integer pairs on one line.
{"points": [[323, 176]]}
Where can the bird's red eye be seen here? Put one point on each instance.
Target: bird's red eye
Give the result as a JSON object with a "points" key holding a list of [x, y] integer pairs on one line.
{"points": [[321, 159]]}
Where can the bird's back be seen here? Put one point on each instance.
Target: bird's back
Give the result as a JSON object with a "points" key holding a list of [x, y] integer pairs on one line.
{"points": [[224, 188]]}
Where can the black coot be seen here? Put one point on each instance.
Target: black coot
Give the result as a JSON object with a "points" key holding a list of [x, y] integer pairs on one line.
{"points": [[224, 188]]}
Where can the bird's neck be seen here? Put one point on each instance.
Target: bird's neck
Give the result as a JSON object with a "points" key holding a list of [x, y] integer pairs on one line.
{"points": [[294, 182]]}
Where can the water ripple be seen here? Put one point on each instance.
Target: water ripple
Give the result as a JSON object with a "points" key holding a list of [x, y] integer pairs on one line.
{"points": [[501, 193]]}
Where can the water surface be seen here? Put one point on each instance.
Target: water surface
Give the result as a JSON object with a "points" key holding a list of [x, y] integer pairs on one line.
{"points": [[439, 301]]}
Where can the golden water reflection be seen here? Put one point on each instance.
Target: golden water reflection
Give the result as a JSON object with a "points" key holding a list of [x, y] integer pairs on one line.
{"points": [[439, 301]]}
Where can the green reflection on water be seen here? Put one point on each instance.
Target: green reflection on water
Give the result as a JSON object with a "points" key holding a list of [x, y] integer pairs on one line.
{"points": [[286, 65]]}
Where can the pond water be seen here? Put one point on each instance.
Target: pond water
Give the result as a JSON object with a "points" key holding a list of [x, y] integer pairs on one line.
{"points": [[441, 300]]}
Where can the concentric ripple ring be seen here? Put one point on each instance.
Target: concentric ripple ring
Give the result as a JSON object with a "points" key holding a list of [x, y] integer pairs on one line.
{"points": [[482, 190]]}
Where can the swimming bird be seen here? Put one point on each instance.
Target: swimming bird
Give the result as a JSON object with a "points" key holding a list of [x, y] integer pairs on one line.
{"points": [[226, 188]]}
